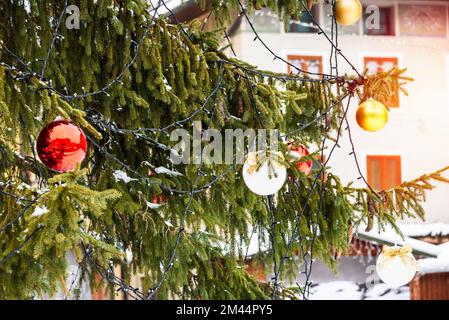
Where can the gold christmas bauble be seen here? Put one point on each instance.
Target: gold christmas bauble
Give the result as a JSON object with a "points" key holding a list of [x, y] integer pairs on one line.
{"points": [[348, 12], [372, 115]]}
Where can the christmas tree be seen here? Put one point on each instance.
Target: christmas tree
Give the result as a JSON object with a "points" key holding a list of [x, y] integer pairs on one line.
{"points": [[127, 77]]}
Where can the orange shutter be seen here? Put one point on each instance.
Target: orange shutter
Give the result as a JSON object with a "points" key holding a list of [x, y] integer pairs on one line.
{"points": [[384, 172]]}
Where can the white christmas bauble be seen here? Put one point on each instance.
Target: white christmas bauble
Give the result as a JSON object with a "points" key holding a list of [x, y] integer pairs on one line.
{"points": [[397, 270], [265, 180]]}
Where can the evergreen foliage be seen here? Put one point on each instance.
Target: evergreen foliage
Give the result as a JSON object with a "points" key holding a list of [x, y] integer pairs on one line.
{"points": [[175, 70]]}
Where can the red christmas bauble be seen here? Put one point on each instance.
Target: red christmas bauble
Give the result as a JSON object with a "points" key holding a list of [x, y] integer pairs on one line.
{"points": [[158, 199], [61, 145], [301, 151]]}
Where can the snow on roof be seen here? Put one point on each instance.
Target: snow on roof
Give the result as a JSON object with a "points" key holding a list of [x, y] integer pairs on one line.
{"points": [[444, 247], [436, 265], [346, 290], [433, 265], [424, 229], [390, 237]]}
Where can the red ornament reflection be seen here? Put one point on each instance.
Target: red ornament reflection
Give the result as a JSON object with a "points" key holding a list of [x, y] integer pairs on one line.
{"points": [[159, 199], [62, 145], [302, 151]]}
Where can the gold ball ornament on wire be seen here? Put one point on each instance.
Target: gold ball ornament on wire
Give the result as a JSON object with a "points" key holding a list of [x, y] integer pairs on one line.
{"points": [[372, 115], [348, 12], [396, 266]]}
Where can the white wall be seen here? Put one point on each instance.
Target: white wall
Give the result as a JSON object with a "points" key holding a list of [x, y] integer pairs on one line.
{"points": [[418, 130]]}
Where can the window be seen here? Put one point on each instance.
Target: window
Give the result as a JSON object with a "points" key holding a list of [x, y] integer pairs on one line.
{"points": [[386, 22], [312, 65], [384, 172], [376, 64], [422, 20], [305, 23]]}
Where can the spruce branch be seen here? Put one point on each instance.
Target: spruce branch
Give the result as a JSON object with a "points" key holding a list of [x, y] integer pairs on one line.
{"points": [[381, 86]]}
